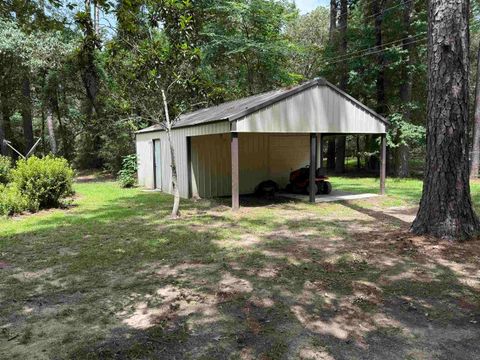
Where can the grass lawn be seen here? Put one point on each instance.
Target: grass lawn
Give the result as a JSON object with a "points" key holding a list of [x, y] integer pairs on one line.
{"points": [[114, 277]]}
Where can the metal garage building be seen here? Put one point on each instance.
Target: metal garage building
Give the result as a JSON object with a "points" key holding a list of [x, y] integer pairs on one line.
{"points": [[230, 148]]}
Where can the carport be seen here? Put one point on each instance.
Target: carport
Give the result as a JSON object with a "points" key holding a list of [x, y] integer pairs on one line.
{"points": [[228, 149]]}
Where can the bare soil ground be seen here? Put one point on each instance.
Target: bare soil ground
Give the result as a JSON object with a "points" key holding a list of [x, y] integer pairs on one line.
{"points": [[281, 280]]}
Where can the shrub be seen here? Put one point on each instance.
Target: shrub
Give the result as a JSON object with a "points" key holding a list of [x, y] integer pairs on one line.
{"points": [[5, 169], [12, 201], [128, 174], [44, 182]]}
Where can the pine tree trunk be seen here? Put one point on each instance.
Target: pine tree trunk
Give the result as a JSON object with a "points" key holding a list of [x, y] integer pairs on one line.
{"points": [[343, 43], [380, 81], [6, 124], [176, 192], [27, 114], [333, 19], [51, 132], [402, 161], [358, 153], [402, 153], [446, 208], [340, 142], [90, 76], [476, 126], [331, 154], [44, 148], [340, 145], [3, 146]]}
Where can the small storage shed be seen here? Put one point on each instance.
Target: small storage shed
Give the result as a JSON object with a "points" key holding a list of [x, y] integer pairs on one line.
{"points": [[228, 149]]}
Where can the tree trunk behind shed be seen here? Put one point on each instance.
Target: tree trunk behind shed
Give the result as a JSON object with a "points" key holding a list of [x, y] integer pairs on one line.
{"points": [[331, 154], [380, 81], [3, 146], [341, 141], [51, 132], [476, 126], [333, 19], [446, 208], [27, 114], [6, 126], [340, 146], [402, 153]]}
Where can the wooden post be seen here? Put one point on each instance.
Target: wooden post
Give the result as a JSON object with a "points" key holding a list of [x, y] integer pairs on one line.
{"points": [[313, 156], [189, 166], [383, 162], [235, 172], [320, 152]]}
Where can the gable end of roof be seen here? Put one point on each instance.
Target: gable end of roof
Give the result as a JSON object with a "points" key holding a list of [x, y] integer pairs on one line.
{"points": [[270, 100]]}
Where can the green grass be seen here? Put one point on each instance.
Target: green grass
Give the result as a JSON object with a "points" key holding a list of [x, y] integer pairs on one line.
{"points": [[401, 191], [212, 282]]}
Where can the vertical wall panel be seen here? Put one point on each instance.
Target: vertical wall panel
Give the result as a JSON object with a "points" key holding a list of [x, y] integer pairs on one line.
{"points": [[318, 109], [144, 148], [262, 157]]}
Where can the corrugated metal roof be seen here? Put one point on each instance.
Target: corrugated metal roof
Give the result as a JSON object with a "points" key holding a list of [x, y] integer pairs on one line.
{"points": [[236, 109]]}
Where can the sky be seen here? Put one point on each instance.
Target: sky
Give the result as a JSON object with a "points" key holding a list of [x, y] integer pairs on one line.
{"points": [[308, 5]]}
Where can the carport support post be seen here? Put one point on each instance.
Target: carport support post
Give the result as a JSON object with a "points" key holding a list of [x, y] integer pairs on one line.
{"points": [[235, 173], [313, 166], [383, 162]]}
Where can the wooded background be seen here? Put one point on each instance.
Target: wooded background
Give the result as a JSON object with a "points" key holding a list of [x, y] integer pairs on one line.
{"points": [[83, 75]]}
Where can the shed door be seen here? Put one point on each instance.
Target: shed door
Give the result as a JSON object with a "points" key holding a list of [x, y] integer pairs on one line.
{"points": [[157, 167]]}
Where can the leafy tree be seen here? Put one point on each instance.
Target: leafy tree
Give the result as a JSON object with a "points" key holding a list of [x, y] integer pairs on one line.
{"points": [[38, 53], [158, 79], [245, 48], [309, 33]]}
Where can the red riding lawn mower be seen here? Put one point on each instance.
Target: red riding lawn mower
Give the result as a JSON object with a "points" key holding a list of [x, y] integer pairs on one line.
{"points": [[300, 182]]}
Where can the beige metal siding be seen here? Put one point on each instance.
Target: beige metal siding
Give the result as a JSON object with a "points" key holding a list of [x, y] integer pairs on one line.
{"points": [[253, 157], [211, 165], [262, 157], [319, 109], [144, 145], [287, 153]]}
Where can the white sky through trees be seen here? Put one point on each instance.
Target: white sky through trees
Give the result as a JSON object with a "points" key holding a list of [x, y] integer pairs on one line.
{"points": [[308, 5]]}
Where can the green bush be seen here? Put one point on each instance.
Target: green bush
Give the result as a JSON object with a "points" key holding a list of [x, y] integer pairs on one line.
{"points": [[5, 169], [128, 174], [11, 200], [44, 182]]}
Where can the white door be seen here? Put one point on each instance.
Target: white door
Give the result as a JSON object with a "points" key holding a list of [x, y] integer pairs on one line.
{"points": [[157, 164]]}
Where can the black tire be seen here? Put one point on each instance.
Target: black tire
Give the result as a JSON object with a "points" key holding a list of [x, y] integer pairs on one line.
{"points": [[326, 187]]}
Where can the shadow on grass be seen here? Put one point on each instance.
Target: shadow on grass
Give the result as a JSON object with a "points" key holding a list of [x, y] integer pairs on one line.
{"points": [[124, 281], [380, 216]]}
